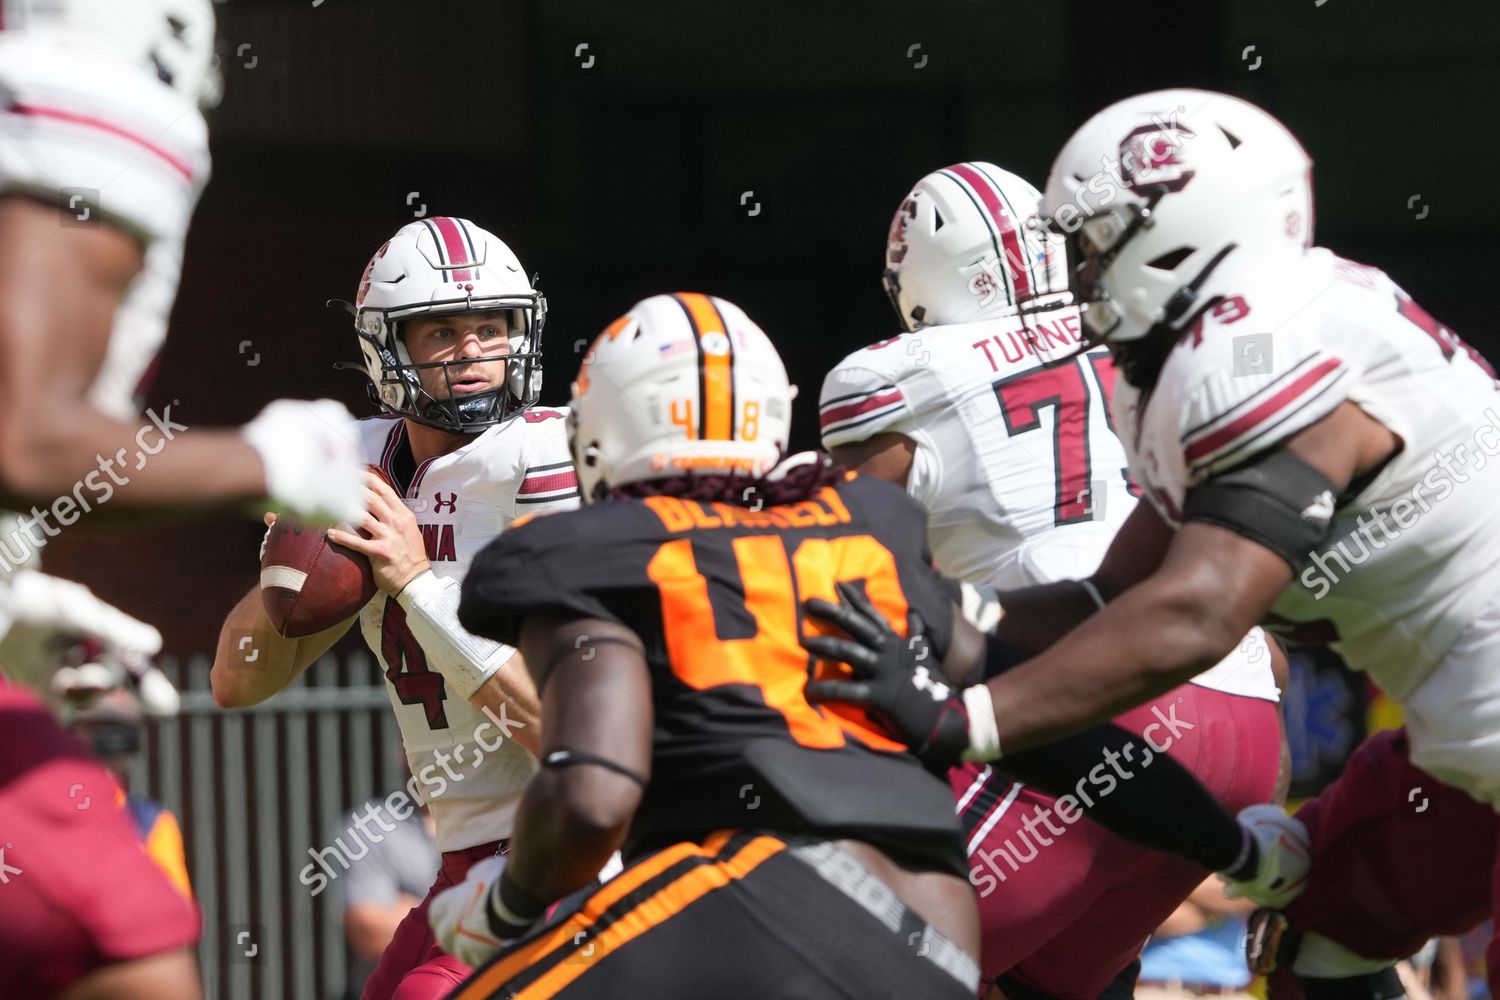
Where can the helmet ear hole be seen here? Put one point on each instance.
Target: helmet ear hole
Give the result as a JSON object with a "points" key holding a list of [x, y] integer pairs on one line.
{"points": [[937, 219], [1170, 260]]}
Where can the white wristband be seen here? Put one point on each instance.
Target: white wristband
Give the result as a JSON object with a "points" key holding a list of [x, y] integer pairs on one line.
{"points": [[984, 735], [418, 589], [466, 661]]}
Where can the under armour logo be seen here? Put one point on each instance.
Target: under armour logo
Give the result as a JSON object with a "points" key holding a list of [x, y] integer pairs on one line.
{"points": [[923, 680], [438, 503]]}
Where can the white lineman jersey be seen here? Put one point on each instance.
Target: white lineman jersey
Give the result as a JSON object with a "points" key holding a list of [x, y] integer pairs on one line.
{"points": [[105, 140], [462, 501], [1411, 548], [1017, 464]]}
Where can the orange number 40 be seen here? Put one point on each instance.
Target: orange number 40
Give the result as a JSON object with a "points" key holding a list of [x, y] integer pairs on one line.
{"points": [[772, 659]]}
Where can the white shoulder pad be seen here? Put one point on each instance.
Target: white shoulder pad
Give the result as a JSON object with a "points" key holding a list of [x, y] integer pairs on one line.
{"points": [[867, 392], [1243, 386], [99, 137], [548, 482]]}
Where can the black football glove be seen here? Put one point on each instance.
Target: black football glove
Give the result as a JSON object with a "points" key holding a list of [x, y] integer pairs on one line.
{"points": [[898, 681]]}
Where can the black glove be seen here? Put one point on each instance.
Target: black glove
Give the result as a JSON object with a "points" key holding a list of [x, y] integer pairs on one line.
{"points": [[898, 681]]}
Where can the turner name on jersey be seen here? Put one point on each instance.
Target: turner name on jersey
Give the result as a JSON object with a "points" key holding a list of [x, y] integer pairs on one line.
{"points": [[1395, 586], [462, 501], [1008, 451]]}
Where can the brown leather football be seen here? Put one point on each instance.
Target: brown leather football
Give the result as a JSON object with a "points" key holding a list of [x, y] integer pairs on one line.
{"points": [[308, 583]]}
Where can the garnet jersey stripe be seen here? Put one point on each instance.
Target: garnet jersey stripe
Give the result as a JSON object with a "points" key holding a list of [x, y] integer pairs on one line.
{"points": [[177, 163], [546, 483], [837, 411], [1308, 380]]}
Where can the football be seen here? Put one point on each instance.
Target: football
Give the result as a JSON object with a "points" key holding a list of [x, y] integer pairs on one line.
{"points": [[308, 583]]}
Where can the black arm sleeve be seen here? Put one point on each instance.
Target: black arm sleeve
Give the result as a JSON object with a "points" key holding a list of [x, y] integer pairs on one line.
{"points": [[1162, 806], [1276, 500]]}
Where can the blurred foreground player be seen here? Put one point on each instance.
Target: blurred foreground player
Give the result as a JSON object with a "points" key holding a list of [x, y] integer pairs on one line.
{"points": [[1319, 452], [451, 330], [1025, 483], [103, 154], [770, 848]]}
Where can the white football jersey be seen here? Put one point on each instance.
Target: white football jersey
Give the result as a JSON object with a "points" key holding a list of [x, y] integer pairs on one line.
{"points": [[98, 134], [1412, 548], [462, 501], [1017, 463]]}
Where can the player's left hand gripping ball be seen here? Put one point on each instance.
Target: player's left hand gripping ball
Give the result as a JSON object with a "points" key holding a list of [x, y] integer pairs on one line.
{"points": [[897, 679], [472, 921]]}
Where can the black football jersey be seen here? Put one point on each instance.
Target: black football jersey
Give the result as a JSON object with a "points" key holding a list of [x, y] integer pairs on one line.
{"points": [[715, 592]]}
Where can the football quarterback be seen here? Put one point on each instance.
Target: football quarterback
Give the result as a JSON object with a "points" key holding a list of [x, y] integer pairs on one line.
{"points": [[450, 329]]}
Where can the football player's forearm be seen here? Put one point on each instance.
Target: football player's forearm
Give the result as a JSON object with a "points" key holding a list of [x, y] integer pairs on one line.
{"points": [[1157, 802], [1036, 617], [1149, 640], [108, 467], [252, 661], [569, 823], [510, 695]]}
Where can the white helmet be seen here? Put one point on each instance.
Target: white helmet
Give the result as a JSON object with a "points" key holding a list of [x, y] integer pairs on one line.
{"points": [[681, 385], [435, 267], [171, 39], [965, 246], [1157, 191]]}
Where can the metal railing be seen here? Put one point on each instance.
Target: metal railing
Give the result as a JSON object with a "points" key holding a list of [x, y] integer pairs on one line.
{"points": [[256, 791]]}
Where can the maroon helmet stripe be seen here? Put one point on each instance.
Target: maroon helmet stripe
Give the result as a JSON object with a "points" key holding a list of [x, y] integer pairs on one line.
{"points": [[1005, 226], [454, 245]]}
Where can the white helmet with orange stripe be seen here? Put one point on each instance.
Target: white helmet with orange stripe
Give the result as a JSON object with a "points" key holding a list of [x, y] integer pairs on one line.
{"points": [[964, 247], [681, 385], [447, 266]]}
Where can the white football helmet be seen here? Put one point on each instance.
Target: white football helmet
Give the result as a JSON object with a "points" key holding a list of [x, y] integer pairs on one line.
{"points": [[1156, 192], [435, 267], [171, 39], [681, 385], [965, 246]]}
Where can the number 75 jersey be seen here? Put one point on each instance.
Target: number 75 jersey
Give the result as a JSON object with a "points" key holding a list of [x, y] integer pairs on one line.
{"points": [[1017, 464]]}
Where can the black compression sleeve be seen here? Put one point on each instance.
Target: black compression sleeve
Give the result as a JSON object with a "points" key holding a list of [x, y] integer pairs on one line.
{"points": [[1161, 805]]}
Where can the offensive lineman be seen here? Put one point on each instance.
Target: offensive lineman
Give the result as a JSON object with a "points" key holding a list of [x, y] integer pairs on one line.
{"points": [[1316, 449], [450, 331], [1025, 483], [103, 153]]}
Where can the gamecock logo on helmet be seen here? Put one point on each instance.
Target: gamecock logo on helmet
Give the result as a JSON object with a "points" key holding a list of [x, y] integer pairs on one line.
{"points": [[1151, 156], [364, 281], [895, 242]]}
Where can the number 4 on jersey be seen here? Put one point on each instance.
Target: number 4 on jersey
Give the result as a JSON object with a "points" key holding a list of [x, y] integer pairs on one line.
{"points": [[406, 666]]}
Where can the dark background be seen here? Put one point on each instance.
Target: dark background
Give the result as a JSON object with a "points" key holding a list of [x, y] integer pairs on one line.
{"points": [[626, 178]]}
